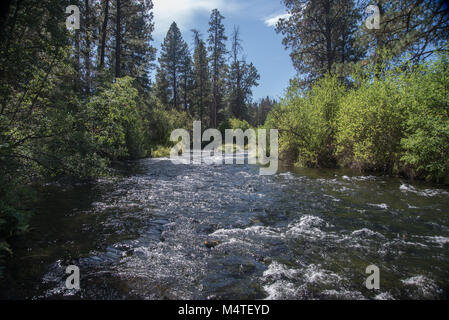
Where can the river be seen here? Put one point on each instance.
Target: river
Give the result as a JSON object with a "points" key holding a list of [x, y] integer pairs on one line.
{"points": [[300, 234]]}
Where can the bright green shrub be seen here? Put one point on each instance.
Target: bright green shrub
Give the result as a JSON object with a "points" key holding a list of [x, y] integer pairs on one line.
{"points": [[235, 123], [370, 126], [160, 152], [114, 122], [163, 120], [426, 144], [307, 123]]}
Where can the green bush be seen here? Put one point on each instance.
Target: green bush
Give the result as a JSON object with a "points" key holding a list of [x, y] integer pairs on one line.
{"points": [[160, 152], [307, 123], [370, 126], [235, 123], [114, 122], [396, 122], [163, 120], [426, 144]]}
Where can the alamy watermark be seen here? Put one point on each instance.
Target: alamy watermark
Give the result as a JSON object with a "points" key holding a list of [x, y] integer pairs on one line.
{"points": [[211, 154], [373, 281], [373, 21], [73, 280]]}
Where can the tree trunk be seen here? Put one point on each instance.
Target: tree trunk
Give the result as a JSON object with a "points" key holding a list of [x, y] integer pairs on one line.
{"points": [[87, 60], [117, 42], [4, 12], [103, 33]]}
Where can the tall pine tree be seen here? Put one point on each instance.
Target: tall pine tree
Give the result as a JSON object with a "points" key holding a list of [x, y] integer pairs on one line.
{"points": [[217, 56], [201, 79], [320, 34], [173, 51], [241, 78]]}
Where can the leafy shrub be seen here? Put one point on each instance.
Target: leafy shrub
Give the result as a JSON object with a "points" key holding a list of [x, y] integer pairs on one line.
{"points": [[163, 120], [370, 126], [235, 123], [307, 123], [426, 144], [395, 122], [114, 122], [160, 152]]}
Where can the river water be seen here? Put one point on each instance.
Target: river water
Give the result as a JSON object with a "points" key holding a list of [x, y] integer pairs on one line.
{"points": [[300, 234]]}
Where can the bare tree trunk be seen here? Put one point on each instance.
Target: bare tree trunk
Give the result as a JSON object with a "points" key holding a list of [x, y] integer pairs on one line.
{"points": [[103, 33], [117, 42], [175, 91], [87, 60], [77, 60], [4, 12]]}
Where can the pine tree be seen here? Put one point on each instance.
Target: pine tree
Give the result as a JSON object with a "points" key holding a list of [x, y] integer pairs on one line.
{"points": [[118, 39], [320, 34], [133, 55], [171, 61], [185, 74], [241, 78], [419, 28], [104, 30], [201, 79], [217, 56], [162, 88]]}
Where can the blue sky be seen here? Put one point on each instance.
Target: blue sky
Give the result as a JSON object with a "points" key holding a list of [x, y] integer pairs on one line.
{"points": [[255, 18]]}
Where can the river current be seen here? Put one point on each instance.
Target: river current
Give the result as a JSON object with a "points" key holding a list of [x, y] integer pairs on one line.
{"points": [[299, 234]]}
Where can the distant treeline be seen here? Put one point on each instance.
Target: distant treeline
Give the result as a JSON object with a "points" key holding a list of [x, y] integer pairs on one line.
{"points": [[372, 99]]}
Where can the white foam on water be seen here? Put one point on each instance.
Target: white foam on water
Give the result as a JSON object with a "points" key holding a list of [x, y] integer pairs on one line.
{"points": [[379, 205], [441, 241], [422, 287], [280, 290], [288, 283], [364, 178], [307, 225], [332, 198], [278, 270], [280, 278], [384, 296], [366, 233], [250, 231], [343, 294], [425, 193], [314, 274]]}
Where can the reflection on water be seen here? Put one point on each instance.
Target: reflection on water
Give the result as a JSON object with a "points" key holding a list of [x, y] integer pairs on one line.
{"points": [[301, 234]]}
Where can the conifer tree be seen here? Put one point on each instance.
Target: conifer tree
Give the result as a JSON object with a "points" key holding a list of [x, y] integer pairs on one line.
{"points": [[201, 79], [217, 56], [241, 78], [173, 51]]}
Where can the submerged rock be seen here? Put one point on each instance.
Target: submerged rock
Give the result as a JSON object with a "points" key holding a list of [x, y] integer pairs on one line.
{"points": [[211, 243]]}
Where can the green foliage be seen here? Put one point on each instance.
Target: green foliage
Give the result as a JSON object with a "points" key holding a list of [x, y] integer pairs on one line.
{"points": [[113, 120], [241, 78], [174, 65], [370, 126], [307, 123], [320, 35], [396, 123], [217, 57], [201, 91], [426, 144], [163, 120], [235, 123], [160, 152]]}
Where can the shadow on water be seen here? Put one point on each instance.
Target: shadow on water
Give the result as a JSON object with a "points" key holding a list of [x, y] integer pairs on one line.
{"points": [[301, 234]]}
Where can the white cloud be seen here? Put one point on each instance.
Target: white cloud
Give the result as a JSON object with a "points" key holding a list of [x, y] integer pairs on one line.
{"points": [[271, 22], [183, 12]]}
